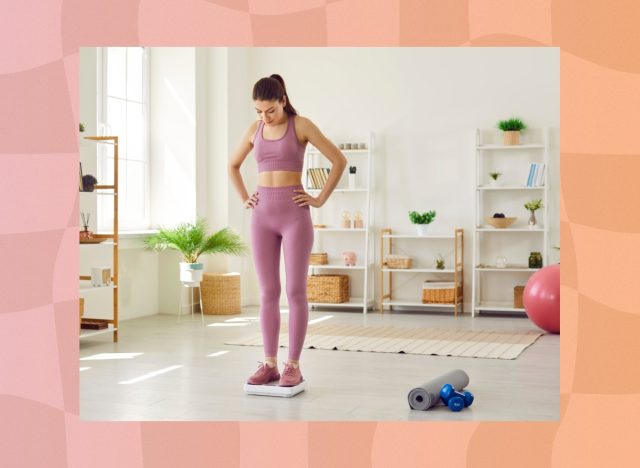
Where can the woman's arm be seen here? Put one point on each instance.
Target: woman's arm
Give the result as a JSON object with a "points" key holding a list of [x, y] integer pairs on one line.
{"points": [[331, 152], [238, 157]]}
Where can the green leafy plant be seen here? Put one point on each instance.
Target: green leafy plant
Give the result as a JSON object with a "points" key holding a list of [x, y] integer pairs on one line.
{"points": [[439, 262], [494, 175], [533, 205], [192, 240], [511, 125], [422, 218], [81, 127]]}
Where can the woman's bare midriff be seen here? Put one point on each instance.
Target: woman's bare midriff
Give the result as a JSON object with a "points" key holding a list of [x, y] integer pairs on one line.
{"points": [[279, 178]]}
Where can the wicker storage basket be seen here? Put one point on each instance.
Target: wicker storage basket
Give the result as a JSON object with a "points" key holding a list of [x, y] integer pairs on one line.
{"points": [[439, 292], [517, 297], [328, 288], [398, 261], [319, 258], [221, 293]]}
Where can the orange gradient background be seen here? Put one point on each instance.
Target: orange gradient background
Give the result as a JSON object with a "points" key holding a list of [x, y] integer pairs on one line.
{"points": [[600, 232]]}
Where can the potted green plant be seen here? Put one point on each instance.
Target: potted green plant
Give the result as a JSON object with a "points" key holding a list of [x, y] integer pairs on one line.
{"points": [[192, 240], [422, 220], [439, 262], [532, 206], [494, 175], [511, 128]]}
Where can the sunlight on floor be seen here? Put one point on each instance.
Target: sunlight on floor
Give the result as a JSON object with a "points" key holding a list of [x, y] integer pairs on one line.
{"points": [[150, 375], [107, 356]]}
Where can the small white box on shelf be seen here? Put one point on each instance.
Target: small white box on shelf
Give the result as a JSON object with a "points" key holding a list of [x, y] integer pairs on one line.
{"points": [[100, 276]]}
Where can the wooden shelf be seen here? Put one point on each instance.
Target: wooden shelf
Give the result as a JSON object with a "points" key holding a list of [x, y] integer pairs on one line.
{"points": [[86, 333], [417, 304], [386, 299], [110, 239]]}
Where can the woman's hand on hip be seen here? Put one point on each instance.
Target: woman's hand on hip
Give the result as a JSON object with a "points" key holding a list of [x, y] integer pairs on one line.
{"points": [[252, 201], [305, 199]]}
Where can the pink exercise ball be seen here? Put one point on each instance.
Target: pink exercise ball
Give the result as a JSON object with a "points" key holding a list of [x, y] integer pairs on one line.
{"points": [[541, 298]]}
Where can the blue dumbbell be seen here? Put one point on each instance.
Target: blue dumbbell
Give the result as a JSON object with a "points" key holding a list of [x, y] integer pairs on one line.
{"points": [[448, 393]]}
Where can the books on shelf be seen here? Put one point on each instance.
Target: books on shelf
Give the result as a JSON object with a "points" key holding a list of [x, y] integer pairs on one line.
{"points": [[317, 177], [536, 175]]}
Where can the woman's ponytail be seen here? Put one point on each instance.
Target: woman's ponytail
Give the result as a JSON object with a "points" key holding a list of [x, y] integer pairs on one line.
{"points": [[273, 88]]}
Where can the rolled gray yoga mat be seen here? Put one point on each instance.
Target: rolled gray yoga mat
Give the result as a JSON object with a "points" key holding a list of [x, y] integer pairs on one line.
{"points": [[427, 395]]}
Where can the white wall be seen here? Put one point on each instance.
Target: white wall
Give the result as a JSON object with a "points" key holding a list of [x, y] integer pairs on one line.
{"points": [[423, 103]]}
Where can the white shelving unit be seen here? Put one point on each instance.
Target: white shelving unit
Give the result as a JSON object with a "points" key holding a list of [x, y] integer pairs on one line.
{"points": [[513, 161], [362, 159], [457, 272]]}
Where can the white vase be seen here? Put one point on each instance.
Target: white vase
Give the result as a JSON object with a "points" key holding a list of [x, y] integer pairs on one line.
{"points": [[352, 181], [493, 183], [422, 229], [191, 273]]}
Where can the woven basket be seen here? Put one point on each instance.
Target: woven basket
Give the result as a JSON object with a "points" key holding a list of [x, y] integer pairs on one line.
{"points": [[439, 293], [501, 223], [328, 288], [512, 137], [319, 259], [221, 293], [398, 261]]}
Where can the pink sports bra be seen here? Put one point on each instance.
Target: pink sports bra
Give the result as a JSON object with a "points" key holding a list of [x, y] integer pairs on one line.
{"points": [[283, 154]]}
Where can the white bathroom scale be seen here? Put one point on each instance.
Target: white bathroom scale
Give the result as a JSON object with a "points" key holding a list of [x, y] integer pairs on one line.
{"points": [[274, 389]]}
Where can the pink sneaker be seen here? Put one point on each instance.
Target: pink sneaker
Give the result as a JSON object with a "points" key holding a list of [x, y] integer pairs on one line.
{"points": [[264, 374], [291, 376]]}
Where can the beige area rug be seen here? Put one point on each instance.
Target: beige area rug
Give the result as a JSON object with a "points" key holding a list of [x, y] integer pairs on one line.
{"points": [[489, 344]]}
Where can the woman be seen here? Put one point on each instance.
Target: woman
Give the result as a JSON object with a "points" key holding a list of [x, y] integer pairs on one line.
{"points": [[281, 217]]}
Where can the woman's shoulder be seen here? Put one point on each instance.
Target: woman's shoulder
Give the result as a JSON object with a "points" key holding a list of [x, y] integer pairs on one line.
{"points": [[252, 130], [304, 125]]}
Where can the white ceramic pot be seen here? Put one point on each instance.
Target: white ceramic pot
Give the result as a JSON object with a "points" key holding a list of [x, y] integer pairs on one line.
{"points": [[191, 273], [422, 229], [493, 183]]}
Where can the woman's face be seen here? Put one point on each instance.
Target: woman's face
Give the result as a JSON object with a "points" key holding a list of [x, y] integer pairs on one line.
{"points": [[271, 112]]}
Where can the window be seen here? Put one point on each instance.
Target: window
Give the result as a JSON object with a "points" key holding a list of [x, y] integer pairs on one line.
{"points": [[123, 111]]}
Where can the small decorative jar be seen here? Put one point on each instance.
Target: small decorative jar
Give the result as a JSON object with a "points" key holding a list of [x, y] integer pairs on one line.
{"points": [[346, 220], [358, 222], [535, 260]]}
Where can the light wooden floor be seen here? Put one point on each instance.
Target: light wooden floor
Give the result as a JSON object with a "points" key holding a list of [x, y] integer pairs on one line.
{"points": [[341, 385]]}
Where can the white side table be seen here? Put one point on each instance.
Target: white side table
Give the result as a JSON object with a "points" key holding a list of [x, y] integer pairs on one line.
{"points": [[192, 287]]}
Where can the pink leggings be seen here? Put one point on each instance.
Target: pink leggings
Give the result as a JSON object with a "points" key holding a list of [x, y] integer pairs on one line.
{"points": [[277, 220]]}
